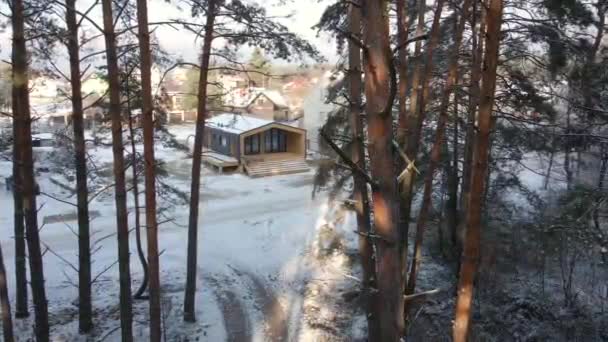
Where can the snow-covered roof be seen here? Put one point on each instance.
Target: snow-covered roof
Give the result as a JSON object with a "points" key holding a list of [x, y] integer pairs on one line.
{"points": [[243, 97], [274, 96], [236, 123]]}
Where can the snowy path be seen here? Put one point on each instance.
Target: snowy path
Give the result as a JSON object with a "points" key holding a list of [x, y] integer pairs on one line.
{"points": [[252, 238]]}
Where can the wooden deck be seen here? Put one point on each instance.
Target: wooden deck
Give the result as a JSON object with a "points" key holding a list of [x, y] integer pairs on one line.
{"points": [[219, 160]]}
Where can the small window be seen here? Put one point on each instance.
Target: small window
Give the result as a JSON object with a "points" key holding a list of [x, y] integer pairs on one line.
{"points": [[223, 141]]}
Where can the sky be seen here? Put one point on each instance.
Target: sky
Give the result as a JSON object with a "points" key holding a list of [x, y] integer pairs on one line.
{"points": [[182, 44], [306, 14]]}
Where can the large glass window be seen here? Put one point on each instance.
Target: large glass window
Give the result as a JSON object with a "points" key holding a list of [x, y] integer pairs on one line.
{"points": [[275, 140], [252, 144]]}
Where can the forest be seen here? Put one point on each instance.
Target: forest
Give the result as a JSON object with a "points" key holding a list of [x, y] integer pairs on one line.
{"points": [[329, 170]]}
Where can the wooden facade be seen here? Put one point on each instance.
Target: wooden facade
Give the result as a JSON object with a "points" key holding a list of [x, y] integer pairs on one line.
{"points": [[273, 141]]}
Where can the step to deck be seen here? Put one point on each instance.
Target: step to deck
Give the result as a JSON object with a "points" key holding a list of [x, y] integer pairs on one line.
{"points": [[276, 167]]}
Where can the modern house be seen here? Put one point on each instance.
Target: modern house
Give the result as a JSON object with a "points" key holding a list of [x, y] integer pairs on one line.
{"points": [[258, 147]]}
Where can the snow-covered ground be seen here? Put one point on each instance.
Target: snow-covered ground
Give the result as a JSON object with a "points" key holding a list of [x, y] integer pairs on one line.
{"points": [[255, 243]]}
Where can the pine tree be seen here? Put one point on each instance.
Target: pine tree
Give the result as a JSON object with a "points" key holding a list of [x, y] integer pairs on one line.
{"points": [[380, 89], [21, 112], [250, 25], [5, 304], [436, 150], [85, 306], [120, 193], [150, 174], [478, 178], [189, 298], [361, 196]]}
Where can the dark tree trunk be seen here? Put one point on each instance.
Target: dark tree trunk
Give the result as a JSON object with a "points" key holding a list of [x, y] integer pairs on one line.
{"points": [[5, 303], [361, 196], [150, 173], [189, 298], [30, 209], [567, 159], [471, 247], [139, 294], [452, 202], [402, 36], [120, 192], [420, 91], [21, 310], [378, 73], [85, 307], [474, 98], [436, 149]]}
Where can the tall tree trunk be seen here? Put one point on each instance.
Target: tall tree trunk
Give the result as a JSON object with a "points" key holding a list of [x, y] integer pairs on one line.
{"points": [[452, 202], [403, 26], [551, 160], [379, 74], [600, 189], [361, 196], [474, 98], [139, 294], [85, 306], [120, 192], [30, 209], [436, 149], [567, 159], [150, 172], [470, 255], [601, 7], [21, 310], [5, 303], [420, 91], [189, 298]]}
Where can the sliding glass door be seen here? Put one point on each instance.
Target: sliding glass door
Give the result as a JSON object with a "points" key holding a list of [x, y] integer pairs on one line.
{"points": [[275, 141]]}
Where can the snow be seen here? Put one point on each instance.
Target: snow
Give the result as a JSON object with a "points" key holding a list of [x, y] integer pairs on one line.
{"points": [[255, 238], [43, 136], [236, 123]]}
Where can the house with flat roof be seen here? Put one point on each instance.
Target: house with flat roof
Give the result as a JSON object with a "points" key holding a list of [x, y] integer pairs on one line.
{"points": [[258, 147]]}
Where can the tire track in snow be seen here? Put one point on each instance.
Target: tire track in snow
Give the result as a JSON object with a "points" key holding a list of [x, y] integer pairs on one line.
{"points": [[275, 317], [236, 320]]}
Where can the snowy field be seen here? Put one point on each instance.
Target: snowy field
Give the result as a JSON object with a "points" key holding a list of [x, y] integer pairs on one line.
{"points": [[256, 240]]}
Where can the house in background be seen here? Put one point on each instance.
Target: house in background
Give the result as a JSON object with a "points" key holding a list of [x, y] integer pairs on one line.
{"points": [[258, 147], [260, 103]]}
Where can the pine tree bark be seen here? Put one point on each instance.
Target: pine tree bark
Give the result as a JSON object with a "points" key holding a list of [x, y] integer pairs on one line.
{"points": [[378, 78], [85, 306], [471, 248], [150, 173], [21, 310], [474, 98], [402, 36], [5, 303], [452, 214], [419, 93], [139, 294], [30, 209], [190, 294], [436, 149], [361, 196], [120, 192], [567, 159]]}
